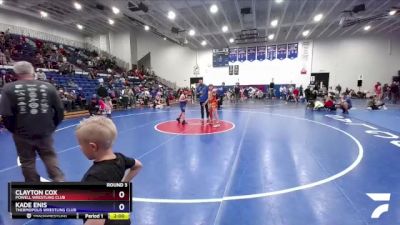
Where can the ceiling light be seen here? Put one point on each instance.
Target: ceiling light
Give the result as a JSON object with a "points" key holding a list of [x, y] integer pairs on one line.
{"points": [[392, 12], [165, 38], [231, 40], [80, 27], [271, 36], [213, 8], [278, 1], [192, 32], [274, 23], [225, 29], [171, 15], [204, 43], [110, 21], [318, 17], [367, 27], [43, 14], [77, 6], [115, 10], [1, 2], [146, 27], [306, 33]]}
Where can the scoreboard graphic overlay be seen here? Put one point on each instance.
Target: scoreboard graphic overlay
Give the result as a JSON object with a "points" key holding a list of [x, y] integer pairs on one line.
{"points": [[70, 200]]}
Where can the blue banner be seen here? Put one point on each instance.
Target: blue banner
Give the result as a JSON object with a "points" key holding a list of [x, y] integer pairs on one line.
{"points": [[293, 50], [282, 51], [233, 54], [251, 54], [241, 54], [261, 50], [271, 52]]}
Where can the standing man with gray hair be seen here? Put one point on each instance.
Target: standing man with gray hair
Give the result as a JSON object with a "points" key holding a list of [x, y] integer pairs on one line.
{"points": [[31, 110]]}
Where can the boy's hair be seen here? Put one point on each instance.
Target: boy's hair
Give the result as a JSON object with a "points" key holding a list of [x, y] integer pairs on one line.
{"points": [[97, 129]]}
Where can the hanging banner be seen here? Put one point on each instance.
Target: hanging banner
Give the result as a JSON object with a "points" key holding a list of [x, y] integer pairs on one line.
{"points": [[231, 70], [271, 52], [236, 70], [282, 51], [293, 50], [261, 50], [251, 54], [241, 54], [233, 54]]}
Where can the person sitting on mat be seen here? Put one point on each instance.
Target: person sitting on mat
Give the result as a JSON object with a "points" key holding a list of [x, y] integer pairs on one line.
{"points": [[96, 136], [345, 103], [329, 104], [374, 104], [182, 105], [318, 104]]}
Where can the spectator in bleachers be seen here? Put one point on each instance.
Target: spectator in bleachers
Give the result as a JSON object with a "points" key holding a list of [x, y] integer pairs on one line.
{"points": [[72, 84], [102, 91], [3, 59], [94, 105], [40, 75], [66, 100]]}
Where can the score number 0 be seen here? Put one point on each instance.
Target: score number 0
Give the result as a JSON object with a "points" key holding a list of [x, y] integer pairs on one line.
{"points": [[121, 206]]}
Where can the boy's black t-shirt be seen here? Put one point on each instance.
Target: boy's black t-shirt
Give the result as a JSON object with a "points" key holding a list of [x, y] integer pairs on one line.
{"points": [[110, 171]]}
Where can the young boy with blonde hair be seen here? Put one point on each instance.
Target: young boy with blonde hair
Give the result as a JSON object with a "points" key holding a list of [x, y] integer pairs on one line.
{"points": [[96, 136]]}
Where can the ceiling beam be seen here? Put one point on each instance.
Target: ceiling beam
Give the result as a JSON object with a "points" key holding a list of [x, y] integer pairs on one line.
{"points": [[155, 8], [286, 25], [370, 14], [93, 20], [337, 3], [187, 22], [73, 28], [333, 22], [337, 21], [282, 19], [239, 15], [226, 18], [310, 18], [201, 22], [296, 18], [215, 23], [267, 23], [395, 28], [381, 29], [253, 5]]}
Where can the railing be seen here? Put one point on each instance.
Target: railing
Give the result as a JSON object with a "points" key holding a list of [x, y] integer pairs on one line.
{"points": [[166, 82], [40, 35], [121, 63], [57, 39]]}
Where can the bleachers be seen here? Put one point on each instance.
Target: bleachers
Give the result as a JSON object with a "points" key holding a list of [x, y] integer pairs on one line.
{"points": [[88, 85]]}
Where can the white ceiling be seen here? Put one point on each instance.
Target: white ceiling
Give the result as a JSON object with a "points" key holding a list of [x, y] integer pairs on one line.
{"points": [[294, 17]]}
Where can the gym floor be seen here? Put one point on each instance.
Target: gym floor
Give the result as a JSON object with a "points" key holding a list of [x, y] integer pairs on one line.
{"points": [[270, 163]]}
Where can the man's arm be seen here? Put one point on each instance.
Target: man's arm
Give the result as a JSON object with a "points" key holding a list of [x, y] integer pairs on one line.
{"points": [[58, 108], [6, 110]]}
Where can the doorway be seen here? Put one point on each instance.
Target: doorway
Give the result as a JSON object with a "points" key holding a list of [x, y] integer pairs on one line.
{"points": [[317, 78]]}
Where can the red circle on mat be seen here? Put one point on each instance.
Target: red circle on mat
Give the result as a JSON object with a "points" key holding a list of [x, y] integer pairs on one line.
{"points": [[193, 127]]}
